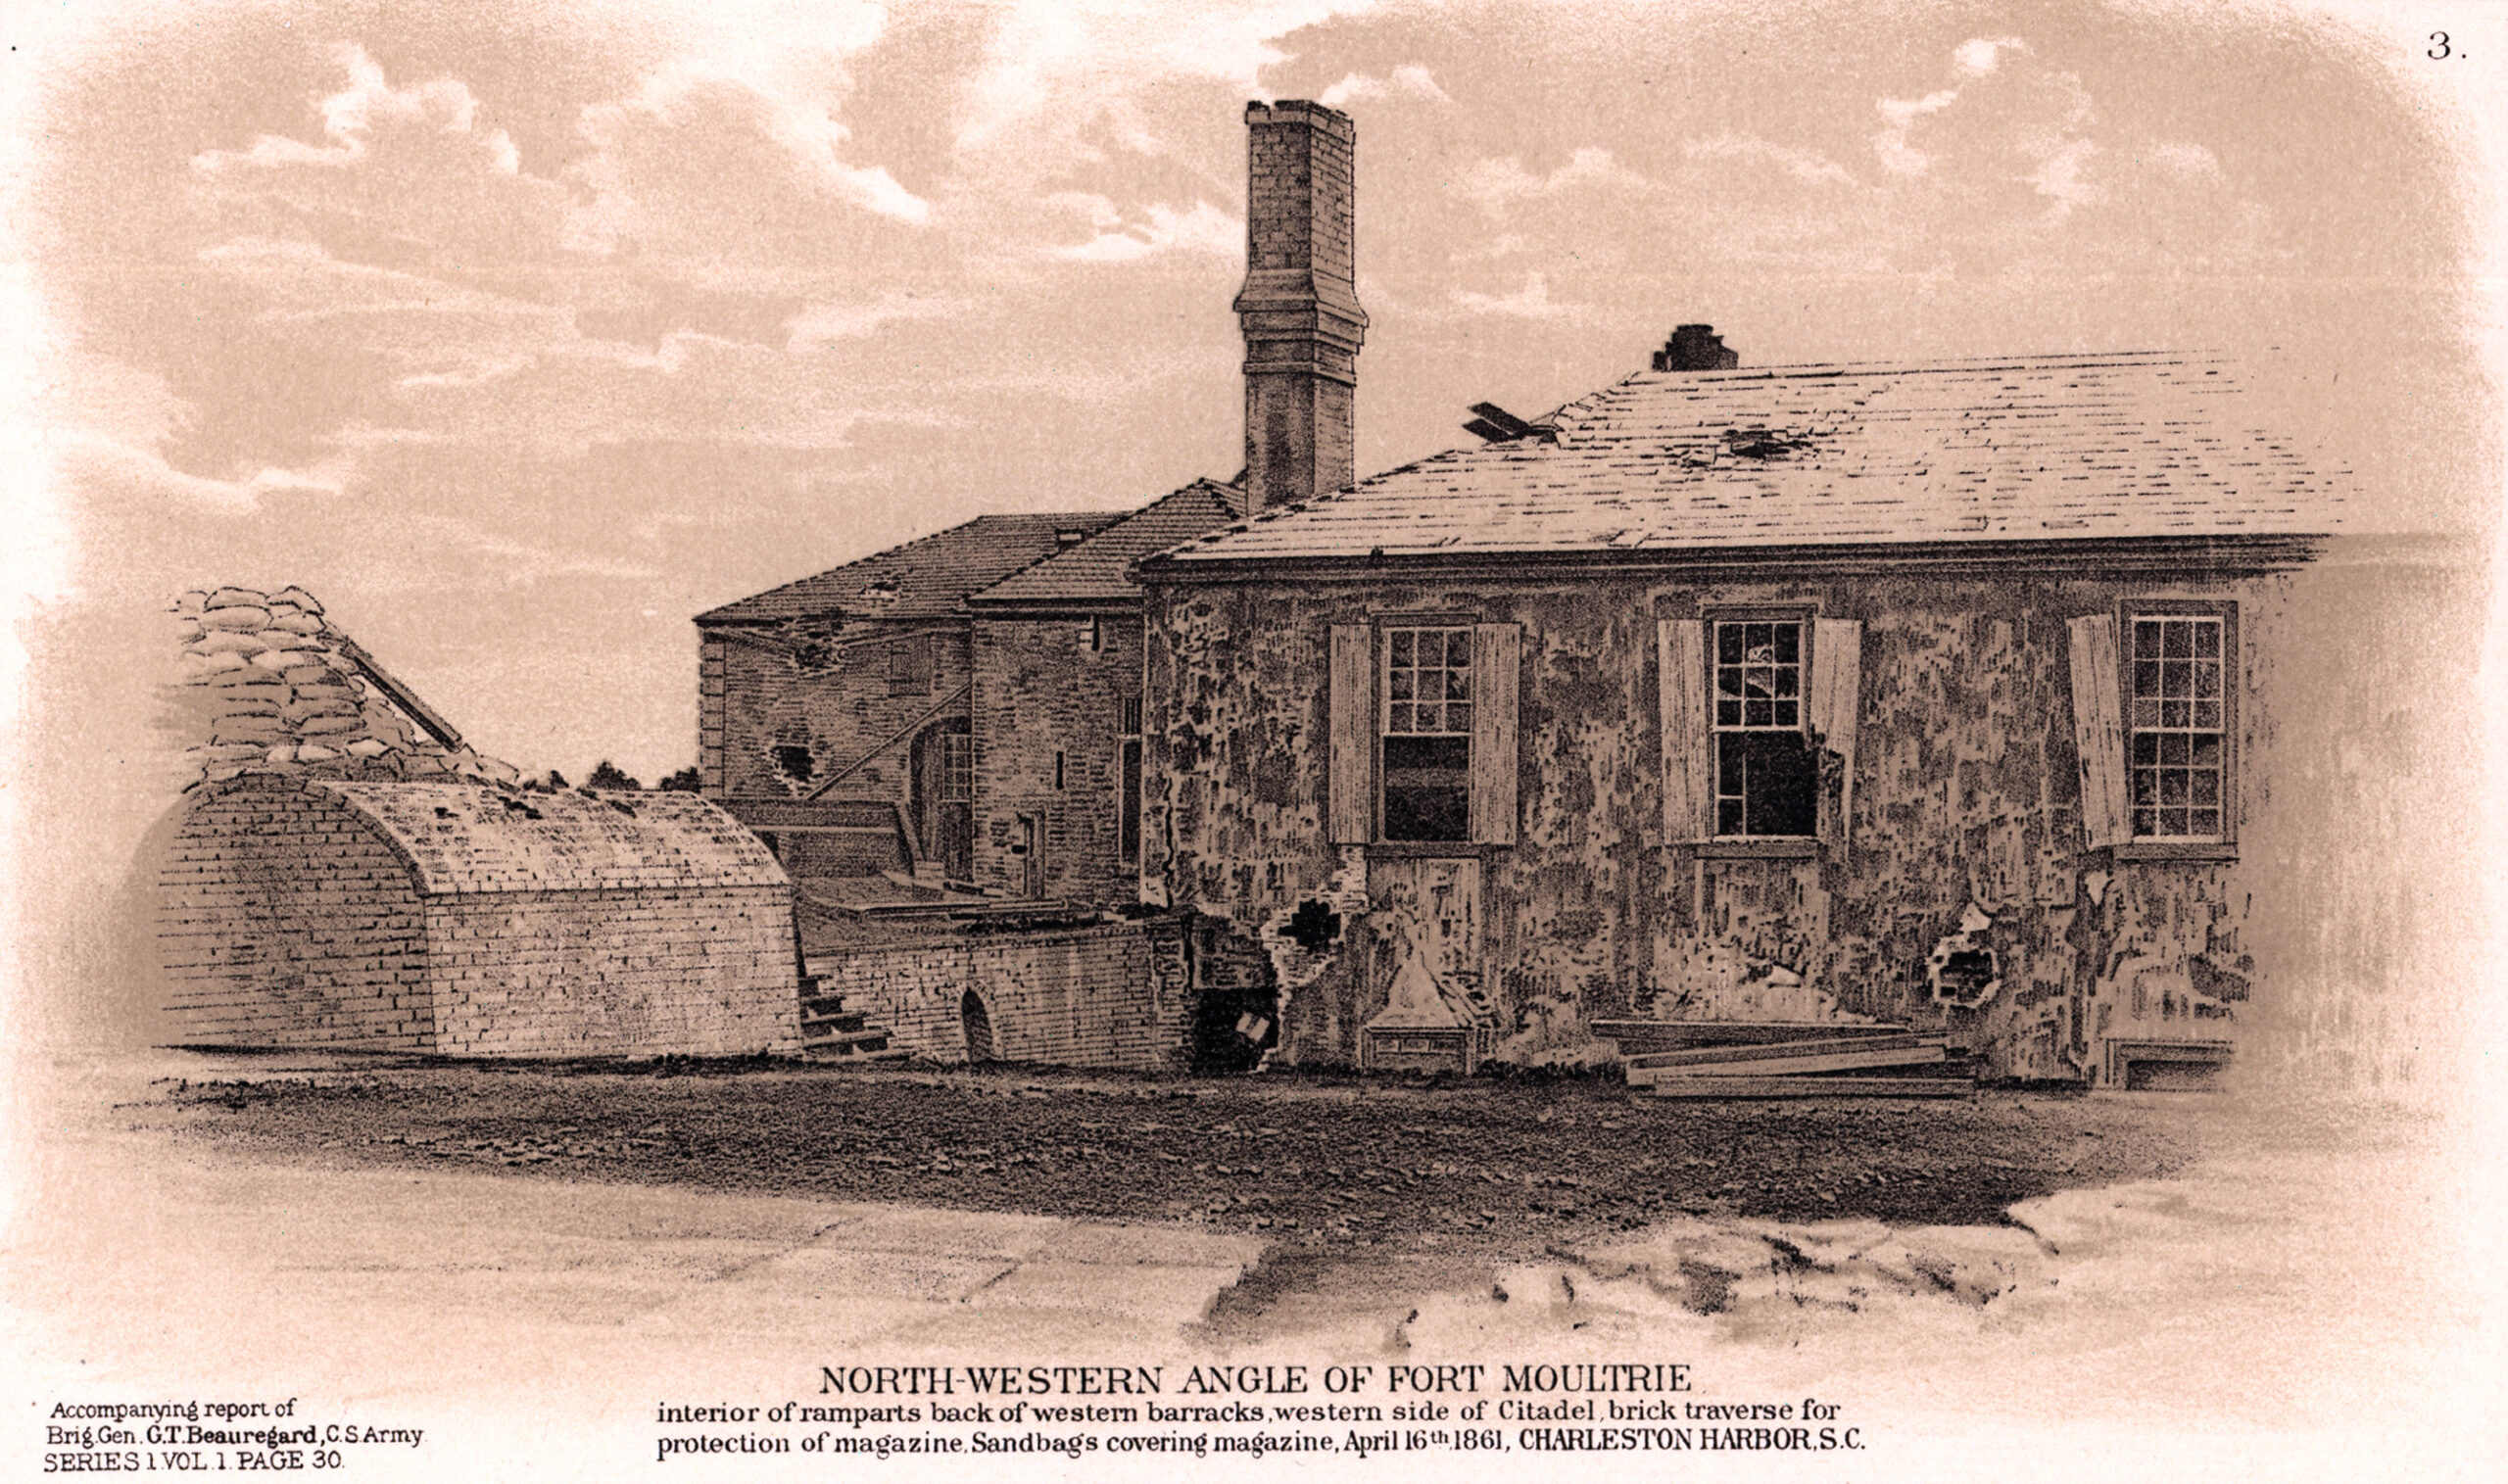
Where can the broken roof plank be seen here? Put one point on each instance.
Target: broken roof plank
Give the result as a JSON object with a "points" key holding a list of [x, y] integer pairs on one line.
{"points": [[1791, 1065]]}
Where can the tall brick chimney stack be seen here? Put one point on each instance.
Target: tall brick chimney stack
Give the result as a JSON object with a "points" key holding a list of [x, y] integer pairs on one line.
{"points": [[1299, 309]]}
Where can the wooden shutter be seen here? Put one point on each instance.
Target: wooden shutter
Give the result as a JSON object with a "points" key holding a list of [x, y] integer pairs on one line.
{"points": [[1349, 788], [1681, 646], [1837, 685], [1497, 660], [2099, 731]]}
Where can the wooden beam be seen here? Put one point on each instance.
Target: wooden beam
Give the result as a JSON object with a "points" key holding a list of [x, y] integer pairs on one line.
{"points": [[901, 734], [1728, 1088], [1642, 1036], [1824, 1046], [1789, 1066], [400, 696]]}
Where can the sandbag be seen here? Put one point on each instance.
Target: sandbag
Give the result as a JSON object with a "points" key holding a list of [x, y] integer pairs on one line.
{"points": [[366, 747], [330, 726], [234, 598], [239, 618], [231, 753], [306, 624], [203, 667], [298, 598], [315, 752], [190, 602], [226, 642]]}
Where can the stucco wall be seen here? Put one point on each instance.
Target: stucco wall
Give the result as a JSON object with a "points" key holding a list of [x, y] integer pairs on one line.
{"points": [[1967, 793], [1040, 692]]}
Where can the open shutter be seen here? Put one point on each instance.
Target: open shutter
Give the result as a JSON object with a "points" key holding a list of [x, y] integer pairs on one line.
{"points": [[1837, 684], [2099, 731], [1681, 646], [1349, 795], [1497, 659]]}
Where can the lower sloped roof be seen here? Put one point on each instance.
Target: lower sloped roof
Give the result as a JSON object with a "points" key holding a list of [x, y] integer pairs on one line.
{"points": [[2027, 449], [1100, 568], [924, 578]]}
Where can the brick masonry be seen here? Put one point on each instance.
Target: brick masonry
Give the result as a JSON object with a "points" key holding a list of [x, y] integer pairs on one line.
{"points": [[291, 914], [1041, 690], [1115, 995]]}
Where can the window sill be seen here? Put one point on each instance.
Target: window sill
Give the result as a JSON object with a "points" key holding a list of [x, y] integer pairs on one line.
{"points": [[1428, 849], [2176, 850], [1789, 847]]}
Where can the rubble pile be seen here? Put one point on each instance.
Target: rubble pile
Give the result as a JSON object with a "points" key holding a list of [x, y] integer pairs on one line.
{"points": [[271, 686]]}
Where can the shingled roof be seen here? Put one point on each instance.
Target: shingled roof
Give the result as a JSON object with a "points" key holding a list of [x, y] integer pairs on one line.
{"points": [[2018, 449], [925, 578], [1099, 569]]}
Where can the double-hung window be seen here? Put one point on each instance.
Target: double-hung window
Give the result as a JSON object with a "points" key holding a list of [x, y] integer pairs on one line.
{"points": [[2179, 737], [1427, 734], [1767, 778], [1423, 721], [2154, 688]]}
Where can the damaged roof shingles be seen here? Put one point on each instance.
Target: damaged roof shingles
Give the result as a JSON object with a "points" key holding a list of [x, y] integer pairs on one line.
{"points": [[925, 578], [2046, 448]]}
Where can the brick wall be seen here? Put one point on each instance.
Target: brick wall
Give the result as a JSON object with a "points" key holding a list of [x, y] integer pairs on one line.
{"points": [[1114, 995], [823, 688], [284, 920], [1042, 692], [614, 973]]}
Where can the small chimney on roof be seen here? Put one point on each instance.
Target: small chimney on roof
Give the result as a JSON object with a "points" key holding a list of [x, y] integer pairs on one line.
{"points": [[1299, 309], [1696, 347]]}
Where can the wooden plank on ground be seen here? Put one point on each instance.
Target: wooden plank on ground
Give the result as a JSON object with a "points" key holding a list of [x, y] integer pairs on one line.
{"points": [[1694, 1087], [1703, 1055], [1792, 1066], [1637, 1037]]}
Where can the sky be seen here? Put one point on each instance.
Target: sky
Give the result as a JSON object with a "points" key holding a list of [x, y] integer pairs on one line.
{"points": [[521, 334]]}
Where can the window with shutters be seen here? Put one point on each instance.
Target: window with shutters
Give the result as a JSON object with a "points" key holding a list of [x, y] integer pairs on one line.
{"points": [[1767, 775], [1423, 748], [1427, 754], [2156, 723]]}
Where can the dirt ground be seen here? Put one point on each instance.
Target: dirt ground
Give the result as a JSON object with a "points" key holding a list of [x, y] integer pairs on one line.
{"points": [[1340, 1172]]}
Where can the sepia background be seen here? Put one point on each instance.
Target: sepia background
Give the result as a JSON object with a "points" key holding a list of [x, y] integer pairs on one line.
{"points": [[522, 333]]}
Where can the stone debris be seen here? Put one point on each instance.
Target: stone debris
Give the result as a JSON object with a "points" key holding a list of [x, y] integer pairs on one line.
{"points": [[271, 686]]}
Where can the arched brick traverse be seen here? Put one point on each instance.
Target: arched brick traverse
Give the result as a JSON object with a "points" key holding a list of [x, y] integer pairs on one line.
{"points": [[467, 920]]}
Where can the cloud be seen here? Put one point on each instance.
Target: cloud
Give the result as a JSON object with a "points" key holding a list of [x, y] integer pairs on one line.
{"points": [[1901, 115], [1494, 185], [1159, 228], [1408, 81], [826, 322], [105, 423], [726, 185], [1530, 302], [1803, 164], [1980, 56], [411, 176], [2185, 160]]}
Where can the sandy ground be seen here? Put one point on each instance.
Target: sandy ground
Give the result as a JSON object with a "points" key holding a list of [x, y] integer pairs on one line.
{"points": [[2274, 1295]]}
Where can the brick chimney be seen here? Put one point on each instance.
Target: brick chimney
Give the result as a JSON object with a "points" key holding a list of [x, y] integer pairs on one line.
{"points": [[1696, 347], [1299, 309]]}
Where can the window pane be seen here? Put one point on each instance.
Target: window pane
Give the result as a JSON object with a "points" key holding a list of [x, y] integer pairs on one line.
{"points": [[2177, 639], [2146, 822], [2207, 679], [1789, 713], [2146, 785], [1728, 713], [1728, 680], [1458, 717], [1402, 714], [2172, 822], [2205, 822], [1758, 713], [2145, 639], [1767, 784], [1789, 643], [1400, 682], [2207, 715], [2145, 747], [2207, 752], [1402, 647], [1728, 643], [1433, 684], [1459, 684], [2207, 787], [2208, 637], [2176, 713], [2172, 786], [2174, 751]]}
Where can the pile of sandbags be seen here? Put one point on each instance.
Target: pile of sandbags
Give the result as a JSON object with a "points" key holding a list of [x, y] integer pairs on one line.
{"points": [[266, 688]]}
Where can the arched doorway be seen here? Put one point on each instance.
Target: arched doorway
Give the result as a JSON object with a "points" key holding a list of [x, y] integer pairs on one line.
{"points": [[976, 1022]]}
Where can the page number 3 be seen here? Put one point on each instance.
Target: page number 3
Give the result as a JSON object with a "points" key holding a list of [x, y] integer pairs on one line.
{"points": [[2440, 48]]}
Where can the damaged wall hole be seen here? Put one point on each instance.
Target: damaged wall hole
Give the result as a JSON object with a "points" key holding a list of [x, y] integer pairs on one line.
{"points": [[1313, 927]]}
